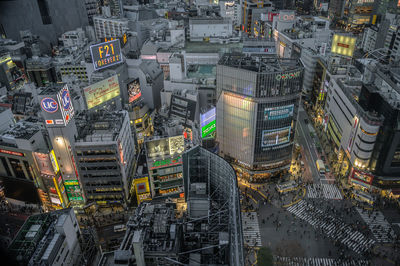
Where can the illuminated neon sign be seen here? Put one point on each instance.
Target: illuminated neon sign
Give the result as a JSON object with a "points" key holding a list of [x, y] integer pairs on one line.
{"points": [[12, 152], [49, 105], [106, 54], [166, 162], [288, 76]]}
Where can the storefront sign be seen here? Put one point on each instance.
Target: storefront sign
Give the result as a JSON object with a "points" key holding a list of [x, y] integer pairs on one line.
{"points": [[12, 152], [287, 76]]}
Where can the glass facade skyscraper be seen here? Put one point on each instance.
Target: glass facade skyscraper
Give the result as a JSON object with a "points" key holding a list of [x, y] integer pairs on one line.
{"points": [[258, 100]]}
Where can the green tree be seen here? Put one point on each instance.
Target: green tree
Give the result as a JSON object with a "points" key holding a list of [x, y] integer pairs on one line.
{"points": [[264, 257]]}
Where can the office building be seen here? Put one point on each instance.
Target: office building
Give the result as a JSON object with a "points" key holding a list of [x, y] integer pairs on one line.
{"points": [[10, 75], [41, 71], [164, 160], [109, 27], [58, 114], [45, 18], [252, 13], [210, 29], [204, 229], [48, 239], [105, 157], [258, 100]]}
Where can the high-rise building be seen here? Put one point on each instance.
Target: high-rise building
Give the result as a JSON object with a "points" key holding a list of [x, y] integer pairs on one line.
{"points": [[252, 11], [207, 218], [105, 157], [109, 27], [48, 239], [258, 100], [41, 71], [58, 113], [45, 18]]}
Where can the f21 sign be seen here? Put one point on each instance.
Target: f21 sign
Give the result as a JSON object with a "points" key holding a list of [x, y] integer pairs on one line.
{"points": [[106, 54]]}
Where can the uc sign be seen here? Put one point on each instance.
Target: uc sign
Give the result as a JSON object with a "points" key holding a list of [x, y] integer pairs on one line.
{"points": [[66, 100], [49, 105]]}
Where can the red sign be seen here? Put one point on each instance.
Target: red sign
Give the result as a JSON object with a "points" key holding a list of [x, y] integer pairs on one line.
{"points": [[272, 15], [343, 45], [12, 152]]}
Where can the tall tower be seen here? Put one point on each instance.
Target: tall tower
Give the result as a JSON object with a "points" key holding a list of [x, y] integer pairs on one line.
{"points": [[58, 113], [258, 100]]}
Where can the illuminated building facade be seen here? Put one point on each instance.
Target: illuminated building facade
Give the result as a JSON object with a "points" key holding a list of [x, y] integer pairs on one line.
{"points": [[58, 114], [105, 156], [25, 155], [358, 12], [258, 100], [252, 11], [164, 161]]}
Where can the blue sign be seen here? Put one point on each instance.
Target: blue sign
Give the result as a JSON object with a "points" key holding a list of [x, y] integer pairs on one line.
{"points": [[275, 113], [49, 105], [66, 100]]}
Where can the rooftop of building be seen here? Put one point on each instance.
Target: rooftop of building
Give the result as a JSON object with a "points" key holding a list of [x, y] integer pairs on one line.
{"points": [[100, 126], [37, 235], [51, 89], [24, 129], [260, 63], [205, 47]]}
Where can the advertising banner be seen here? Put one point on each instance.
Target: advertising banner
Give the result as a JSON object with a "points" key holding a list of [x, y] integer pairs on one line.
{"points": [[44, 163], [134, 91], [343, 45], [165, 147], [275, 137], [106, 54], [279, 112], [102, 91]]}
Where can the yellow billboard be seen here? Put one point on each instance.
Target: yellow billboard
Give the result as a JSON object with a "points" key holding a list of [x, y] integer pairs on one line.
{"points": [[101, 91], [142, 189], [54, 162], [343, 45]]}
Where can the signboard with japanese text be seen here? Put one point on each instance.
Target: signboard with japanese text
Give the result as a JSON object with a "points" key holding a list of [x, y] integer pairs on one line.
{"points": [[275, 137], [279, 112], [102, 91]]}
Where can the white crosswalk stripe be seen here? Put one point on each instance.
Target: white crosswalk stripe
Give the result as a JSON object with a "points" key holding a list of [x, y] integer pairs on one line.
{"points": [[378, 225], [332, 227], [251, 229], [327, 191], [296, 261]]}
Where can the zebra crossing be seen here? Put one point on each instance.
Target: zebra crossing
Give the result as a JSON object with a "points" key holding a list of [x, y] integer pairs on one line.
{"points": [[332, 227], [251, 229], [297, 261], [327, 191], [378, 225]]}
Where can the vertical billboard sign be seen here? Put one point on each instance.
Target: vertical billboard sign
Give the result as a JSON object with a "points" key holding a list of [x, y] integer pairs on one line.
{"points": [[134, 91], [64, 99], [352, 134], [208, 122], [44, 163], [106, 54]]}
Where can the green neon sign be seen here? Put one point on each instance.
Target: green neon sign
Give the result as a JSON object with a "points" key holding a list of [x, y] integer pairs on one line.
{"points": [[208, 129]]}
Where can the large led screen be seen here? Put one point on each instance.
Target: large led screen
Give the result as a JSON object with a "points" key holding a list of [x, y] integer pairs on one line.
{"points": [[102, 91], [106, 54], [275, 137], [134, 91], [207, 122], [279, 112]]}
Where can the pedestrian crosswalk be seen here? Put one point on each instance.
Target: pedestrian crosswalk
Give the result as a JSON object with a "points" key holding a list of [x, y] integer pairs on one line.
{"points": [[296, 261], [332, 227], [378, 225], [251, 229], [327, 191]]}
